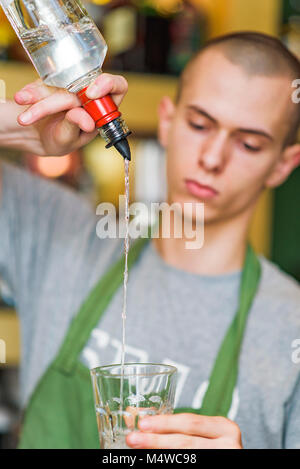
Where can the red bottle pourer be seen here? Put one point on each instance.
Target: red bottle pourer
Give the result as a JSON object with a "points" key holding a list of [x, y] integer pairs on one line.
{"points": [[108, 120]]}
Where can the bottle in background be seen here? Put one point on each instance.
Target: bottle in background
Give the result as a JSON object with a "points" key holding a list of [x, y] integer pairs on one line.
{"points": [[187, 33], [144, 37]]}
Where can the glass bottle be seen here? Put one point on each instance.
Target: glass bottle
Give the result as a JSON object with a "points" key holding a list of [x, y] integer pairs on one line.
{"points": [[68, 51]]}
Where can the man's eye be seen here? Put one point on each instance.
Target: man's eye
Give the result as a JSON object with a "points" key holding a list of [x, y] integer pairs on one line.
{"points": [[251, 148], [197, 126]]}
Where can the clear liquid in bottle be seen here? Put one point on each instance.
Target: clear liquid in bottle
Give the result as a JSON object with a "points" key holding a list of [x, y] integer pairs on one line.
{"points": [[68, 51], [62, 41]]}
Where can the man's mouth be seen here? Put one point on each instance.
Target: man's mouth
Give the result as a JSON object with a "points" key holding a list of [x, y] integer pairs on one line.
{"points": [[200, 191]]}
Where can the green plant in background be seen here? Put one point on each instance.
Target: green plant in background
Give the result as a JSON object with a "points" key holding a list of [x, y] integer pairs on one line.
{"points": [[290, 8], [286, 225]]}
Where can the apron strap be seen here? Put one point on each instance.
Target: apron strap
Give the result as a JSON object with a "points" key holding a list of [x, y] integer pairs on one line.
{"points": [[93, 308], [218, 398]]}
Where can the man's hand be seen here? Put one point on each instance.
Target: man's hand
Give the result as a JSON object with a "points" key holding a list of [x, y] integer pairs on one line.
{"points": [[55, 120], [185, 431]]}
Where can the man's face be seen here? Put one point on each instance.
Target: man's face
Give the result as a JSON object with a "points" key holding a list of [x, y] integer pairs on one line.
{"points": [[226, 132]]}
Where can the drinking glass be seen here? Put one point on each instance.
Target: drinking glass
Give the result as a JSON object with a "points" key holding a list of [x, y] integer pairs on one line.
{"points": [[123, 395]]}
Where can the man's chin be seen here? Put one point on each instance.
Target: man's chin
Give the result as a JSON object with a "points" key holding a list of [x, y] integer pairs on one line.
{"points": [[195, 211]]}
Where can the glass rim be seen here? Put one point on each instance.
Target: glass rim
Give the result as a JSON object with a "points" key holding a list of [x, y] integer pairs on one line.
{"points": [[104, 370]]}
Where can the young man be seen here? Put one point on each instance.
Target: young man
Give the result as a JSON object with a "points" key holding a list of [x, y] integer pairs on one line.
{"points": [[231, 134]]}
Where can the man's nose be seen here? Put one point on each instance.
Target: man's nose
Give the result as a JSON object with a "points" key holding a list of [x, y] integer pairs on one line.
{"points": [[212, 155]]}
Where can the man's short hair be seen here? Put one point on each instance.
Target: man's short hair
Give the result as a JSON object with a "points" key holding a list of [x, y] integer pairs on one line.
{"points": [[258, 54]]}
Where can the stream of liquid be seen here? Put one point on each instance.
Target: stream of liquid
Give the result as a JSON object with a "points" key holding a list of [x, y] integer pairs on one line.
{"points": [[126, 250]]}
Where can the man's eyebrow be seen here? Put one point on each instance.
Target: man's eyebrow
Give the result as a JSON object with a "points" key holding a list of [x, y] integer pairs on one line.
{"points": [[201, 111], [204, 113], [257, 132]]}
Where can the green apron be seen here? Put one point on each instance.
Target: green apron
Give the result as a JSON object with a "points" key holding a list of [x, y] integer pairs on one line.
{"points": [[61, 410]]}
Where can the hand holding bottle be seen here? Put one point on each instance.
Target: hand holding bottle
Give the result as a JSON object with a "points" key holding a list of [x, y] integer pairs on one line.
{"points": [[61, 125], [68, 51]]}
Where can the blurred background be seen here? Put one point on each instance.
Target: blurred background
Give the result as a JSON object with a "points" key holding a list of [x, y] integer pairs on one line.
{"points": [[149, 41]]}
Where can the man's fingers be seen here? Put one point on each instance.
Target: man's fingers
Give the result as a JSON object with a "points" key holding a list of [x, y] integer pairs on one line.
{"points": [[66, 134], [189, 424], [140, 440], [86, 138], [57, 102], [105, 84], [134, 414], [81, 118], [33, 92], [45, 101], [68, 137]]}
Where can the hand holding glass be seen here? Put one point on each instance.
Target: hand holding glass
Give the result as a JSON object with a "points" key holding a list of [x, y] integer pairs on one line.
{"points": [[121, 399]]}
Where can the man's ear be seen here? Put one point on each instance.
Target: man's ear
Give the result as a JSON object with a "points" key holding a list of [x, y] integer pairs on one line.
{"points": [[289, 160], [166, 112]]}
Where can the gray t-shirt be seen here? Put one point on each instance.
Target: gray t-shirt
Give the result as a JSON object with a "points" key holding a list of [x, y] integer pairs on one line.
{"points": [[50, 258]]}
